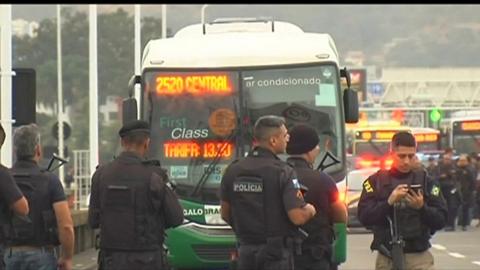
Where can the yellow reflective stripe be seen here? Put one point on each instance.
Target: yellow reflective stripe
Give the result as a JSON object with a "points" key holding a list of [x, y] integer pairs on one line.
{"points": [[367, 186]]}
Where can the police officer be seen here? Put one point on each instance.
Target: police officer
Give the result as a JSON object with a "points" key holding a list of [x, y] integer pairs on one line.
{"points": [[448, 184], [466, 185], [132, 203], [322, 193], [262, 201], [432, 168], [388, 196], [11, 198], [33, 240]]}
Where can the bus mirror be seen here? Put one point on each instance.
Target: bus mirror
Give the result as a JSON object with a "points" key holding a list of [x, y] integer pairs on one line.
{"points": [[350, 103], [129, 110], [345, 74], [135, 79]]}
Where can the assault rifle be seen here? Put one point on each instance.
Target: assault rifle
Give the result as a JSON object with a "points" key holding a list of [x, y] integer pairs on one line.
{"points": [[398, 258], [61, 161]]}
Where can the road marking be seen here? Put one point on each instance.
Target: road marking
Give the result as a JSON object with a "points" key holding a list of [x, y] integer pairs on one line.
{"points": [[456, 255], [476, 262], [439, 247]]}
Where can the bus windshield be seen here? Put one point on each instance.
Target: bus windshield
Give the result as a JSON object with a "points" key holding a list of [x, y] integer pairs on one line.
{"points": [[428, 142], [193, 119], [466, 136], [428, 146], [466, 143], [301, 95], [374, 148]]}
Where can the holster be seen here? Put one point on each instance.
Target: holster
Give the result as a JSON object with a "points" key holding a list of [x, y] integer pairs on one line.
{"points": [[276, 255], [97, 241], [100, 260], [384, 251], [295, 242], [50, 226], [273, 249]]}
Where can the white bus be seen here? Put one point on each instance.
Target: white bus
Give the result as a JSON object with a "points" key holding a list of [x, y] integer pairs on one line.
{"points": [[462, 133], [202, 91]]}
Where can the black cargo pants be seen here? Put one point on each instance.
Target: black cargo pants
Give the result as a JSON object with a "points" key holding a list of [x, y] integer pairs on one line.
{"points": [[258, 257], [128, 260], [313, 258]]}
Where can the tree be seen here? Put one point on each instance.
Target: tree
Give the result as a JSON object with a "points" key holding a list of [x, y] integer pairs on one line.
{"points": [[115, 66]]}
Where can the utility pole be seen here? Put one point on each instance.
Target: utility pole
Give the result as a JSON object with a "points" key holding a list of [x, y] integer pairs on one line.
{"points": [[61, 147], [93, 92], [164, 21], [138, 35], [6, 83]]}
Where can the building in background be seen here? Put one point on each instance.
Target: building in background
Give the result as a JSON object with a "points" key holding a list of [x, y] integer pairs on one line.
{"points": [[21, 28]]}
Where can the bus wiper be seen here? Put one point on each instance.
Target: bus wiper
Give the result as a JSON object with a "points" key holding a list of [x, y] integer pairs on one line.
{"points": [[328, 154], [208, 171], [216, 159]]}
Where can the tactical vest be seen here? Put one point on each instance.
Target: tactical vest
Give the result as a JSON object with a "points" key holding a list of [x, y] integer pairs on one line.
{"points": [[258, 212], [409, 222], [319, 228], [39, 227], [450, 179], [128, 220]]}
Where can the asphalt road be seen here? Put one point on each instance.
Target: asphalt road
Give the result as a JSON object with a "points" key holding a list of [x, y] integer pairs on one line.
{"points": [[459, 250]]}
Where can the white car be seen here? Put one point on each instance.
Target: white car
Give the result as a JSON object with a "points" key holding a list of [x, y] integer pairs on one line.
{"points": [[350, 190]]}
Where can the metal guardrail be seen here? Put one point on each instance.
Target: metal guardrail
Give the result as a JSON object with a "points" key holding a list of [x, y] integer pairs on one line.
{"points": [[82, 178]]}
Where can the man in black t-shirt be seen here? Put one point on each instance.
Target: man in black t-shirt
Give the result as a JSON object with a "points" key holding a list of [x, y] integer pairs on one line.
{"points": [[10, 198], [33, 246], [322, 193]]}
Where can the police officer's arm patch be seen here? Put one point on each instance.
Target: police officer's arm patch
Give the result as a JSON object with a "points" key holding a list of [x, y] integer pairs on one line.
{"points": [[297, 186], [367, 186], [435, 191]]}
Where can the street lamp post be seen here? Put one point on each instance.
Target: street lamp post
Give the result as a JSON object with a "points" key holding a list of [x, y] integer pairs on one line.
{"points": [[93, 92], [164, 21], [138, 35], [6, 81], [60, 93]]}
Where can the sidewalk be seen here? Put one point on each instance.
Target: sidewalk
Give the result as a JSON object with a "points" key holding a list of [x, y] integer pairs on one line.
{"points": [[86, 260]]}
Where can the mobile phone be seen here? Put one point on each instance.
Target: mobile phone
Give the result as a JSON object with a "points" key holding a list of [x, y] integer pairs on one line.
{"points": [[416, 187]]}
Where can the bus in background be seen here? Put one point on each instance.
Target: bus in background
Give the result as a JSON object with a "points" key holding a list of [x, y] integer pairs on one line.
{"points": [[461, 133], [371, 145], [428, 140], [428, 143], [202, 91]]}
